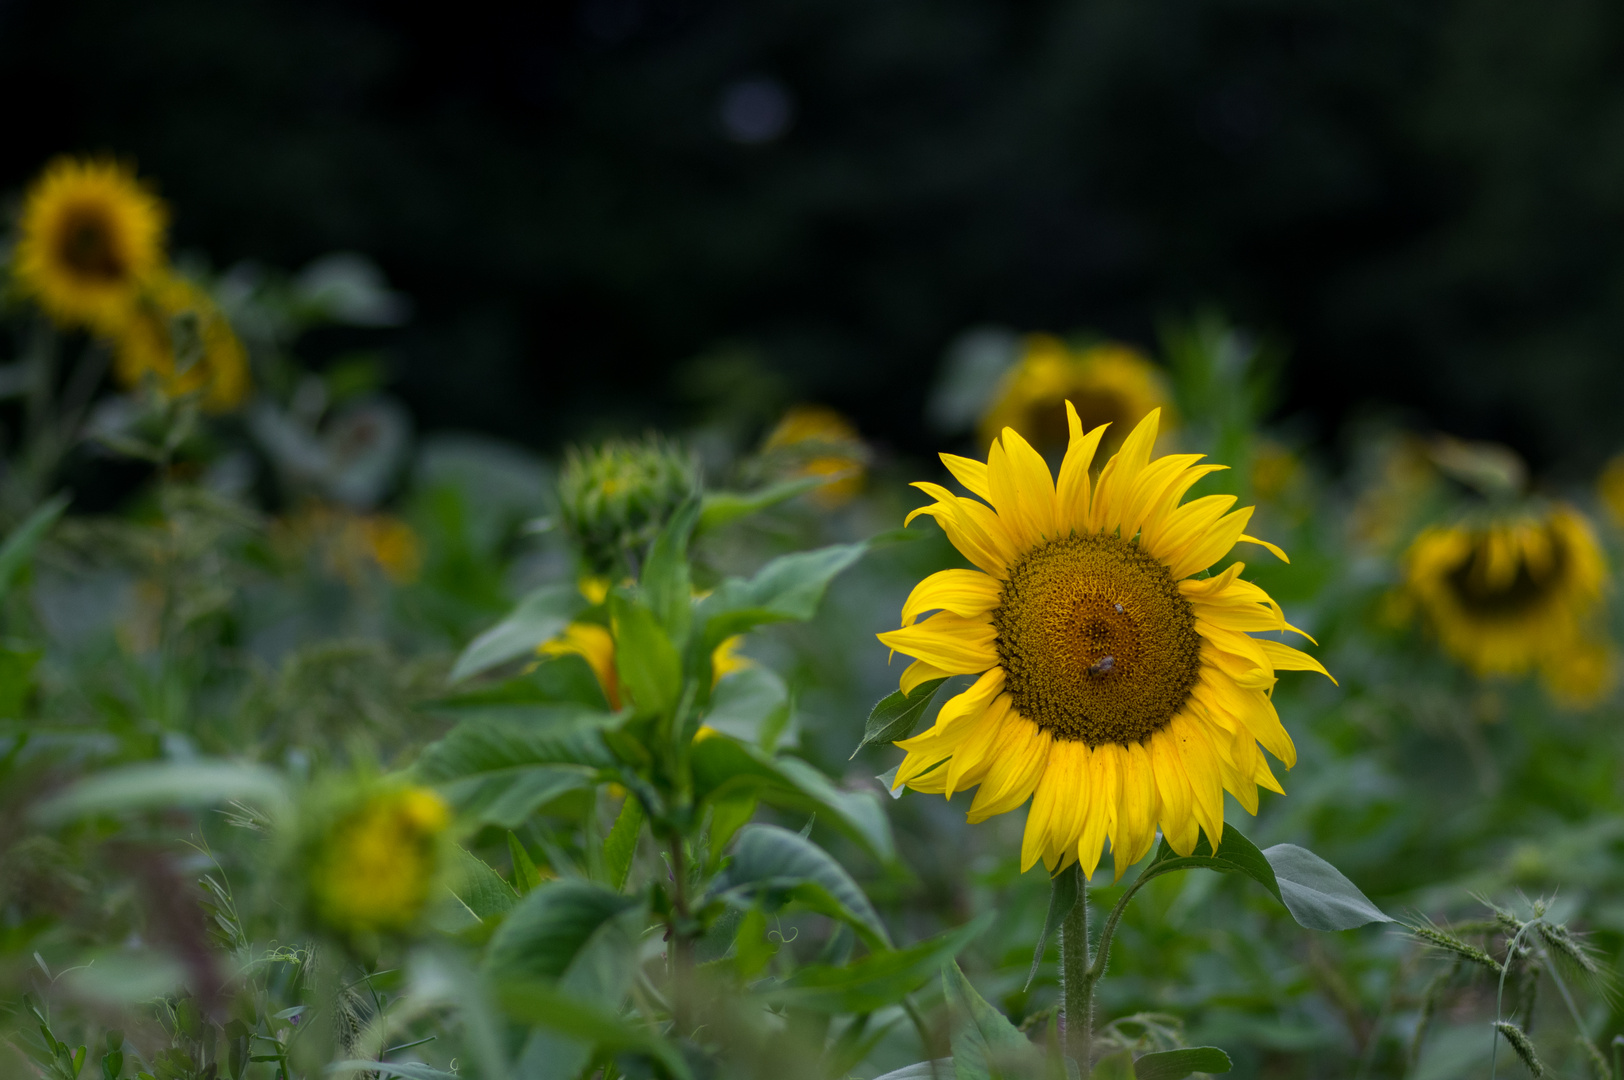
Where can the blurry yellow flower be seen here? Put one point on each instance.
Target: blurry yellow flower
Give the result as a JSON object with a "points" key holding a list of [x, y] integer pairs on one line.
{"points": [[595, 589], [1513, 594], [1117, 690], [393, 545], [822, 443], [90, 234], [596, 645], [1106, 384], [175, 335], [1273, 469], [374, 867], [1610, 487]]}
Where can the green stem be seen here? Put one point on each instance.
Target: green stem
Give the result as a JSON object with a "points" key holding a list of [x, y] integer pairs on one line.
{"points": [[1076, 980]]}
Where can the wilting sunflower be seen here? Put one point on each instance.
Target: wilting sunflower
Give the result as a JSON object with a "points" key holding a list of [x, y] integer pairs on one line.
{"points": [[90, 234], [1108, 383], [1506, 596], [177, 336], [1117, 690]]}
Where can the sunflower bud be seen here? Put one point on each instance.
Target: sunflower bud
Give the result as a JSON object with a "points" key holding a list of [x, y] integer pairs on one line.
{"points": [[371, 869], [615, 498]]}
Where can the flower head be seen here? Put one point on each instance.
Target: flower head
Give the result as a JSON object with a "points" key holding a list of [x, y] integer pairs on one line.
{"points": [[90, 234], [1105, 384], [175, 336], [1116, 690], [1511, 594], [815, 441], [615, 498], [373, 866]]}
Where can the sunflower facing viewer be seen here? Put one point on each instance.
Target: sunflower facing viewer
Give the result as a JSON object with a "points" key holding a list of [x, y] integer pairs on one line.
{"points": [[1117, 691], [90, 234], [1106, 384]]}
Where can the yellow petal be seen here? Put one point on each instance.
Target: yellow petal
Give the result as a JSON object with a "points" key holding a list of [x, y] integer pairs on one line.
{"points": [[1214, 545], [1018, 762], [1022, 490], [1117, 478], [1285, 658], [963, 592], [1173, 788], [1137, 808], [1098, 799], [1071, 493], [919, 672], [947, 642], [969, 472], [1276, 552]]}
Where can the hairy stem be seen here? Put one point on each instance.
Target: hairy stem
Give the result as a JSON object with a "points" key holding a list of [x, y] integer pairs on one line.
{"points": [[1076, 980]]}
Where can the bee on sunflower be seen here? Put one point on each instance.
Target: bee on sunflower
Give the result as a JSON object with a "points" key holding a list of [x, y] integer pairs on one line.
{"points": [[89, 236], [1517, 593], [1109, 385], [1117, 689], [177, 336]]}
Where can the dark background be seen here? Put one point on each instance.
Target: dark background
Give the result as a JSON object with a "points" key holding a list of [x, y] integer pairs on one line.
{"points": [[1423, 199]]}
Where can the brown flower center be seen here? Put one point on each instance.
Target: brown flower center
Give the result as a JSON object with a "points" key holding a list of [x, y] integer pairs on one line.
{"points": [[86, 244], [1490, 592], [1096, 641]]}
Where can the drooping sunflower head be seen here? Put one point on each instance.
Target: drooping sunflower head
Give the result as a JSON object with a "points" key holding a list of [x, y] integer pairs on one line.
{"points": [[372, 867], [1116, 689], [1507, 595], [175, 338], [614, 498], [1106, 384], [90, 234], [816, 441]]}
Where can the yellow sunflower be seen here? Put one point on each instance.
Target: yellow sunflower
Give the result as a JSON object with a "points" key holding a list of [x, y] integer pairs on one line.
{"points": [[1507, 596], [1118, 691], [1106, 384], [90, 234], [594, 643], [177, 336], [818, 441]]}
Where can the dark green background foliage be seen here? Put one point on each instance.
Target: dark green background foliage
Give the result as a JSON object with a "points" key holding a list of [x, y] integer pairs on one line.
{"points": [[1422, 198]]}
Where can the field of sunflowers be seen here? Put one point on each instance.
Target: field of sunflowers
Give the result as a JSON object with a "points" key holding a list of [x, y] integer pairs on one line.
{"points": [[1124, 739]]}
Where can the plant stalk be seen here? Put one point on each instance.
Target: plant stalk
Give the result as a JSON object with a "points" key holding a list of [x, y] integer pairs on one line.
{"points": [[1076, 980]]}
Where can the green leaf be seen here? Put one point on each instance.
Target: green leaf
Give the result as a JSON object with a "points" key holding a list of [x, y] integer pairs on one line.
{"points": [[725, 768], [500, 769], [788, 588], [554, 1008], [1317, 894], [648, 664], [775, 866], [722, 507], [16, 678], [877, 980], [621, 843], [666, 581], [525, 875], [1177, 1064], [547, 930], [897, 714], [751, 705], [19, 547], [1064, 889], [480, 889], [985, 1044], [940, 1069], [155, 785], [1117, 1066], [539, 617]]}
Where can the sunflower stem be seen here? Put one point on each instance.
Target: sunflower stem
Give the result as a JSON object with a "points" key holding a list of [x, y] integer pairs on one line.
{"points": [[1076, 980]]}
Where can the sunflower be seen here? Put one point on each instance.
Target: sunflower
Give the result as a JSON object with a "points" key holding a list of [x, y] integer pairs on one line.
{"points": [[817, 441], [1513, 594], [89, 235], [1117, 690], [595, 644], [176, 335], [1108, 383]]}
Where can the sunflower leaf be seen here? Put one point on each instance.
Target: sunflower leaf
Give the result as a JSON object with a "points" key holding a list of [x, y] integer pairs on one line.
{"points": [[780, 866], [1235, 855], [538, 617], [789, 588], [1317, 894], [1177, 1064], [722, 507], [875, 981], [897, 714], [985, 1044]]}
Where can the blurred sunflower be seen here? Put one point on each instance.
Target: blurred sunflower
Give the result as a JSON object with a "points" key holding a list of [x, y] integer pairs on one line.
{"points": [[816, 441], [1117, 691], [177, 336], [373, 868], [89, 235], [1108, 383], [1509, 595]]}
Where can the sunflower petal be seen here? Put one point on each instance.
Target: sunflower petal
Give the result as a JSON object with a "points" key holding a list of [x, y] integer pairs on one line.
{"points": [[947, 642], [969, 472], [1071, 493], [963, 592]]}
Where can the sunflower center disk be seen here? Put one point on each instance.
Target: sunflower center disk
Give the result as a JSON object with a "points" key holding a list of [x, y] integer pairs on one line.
{"points": [[1096, 642], [86, 244], [1490, 594]]}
